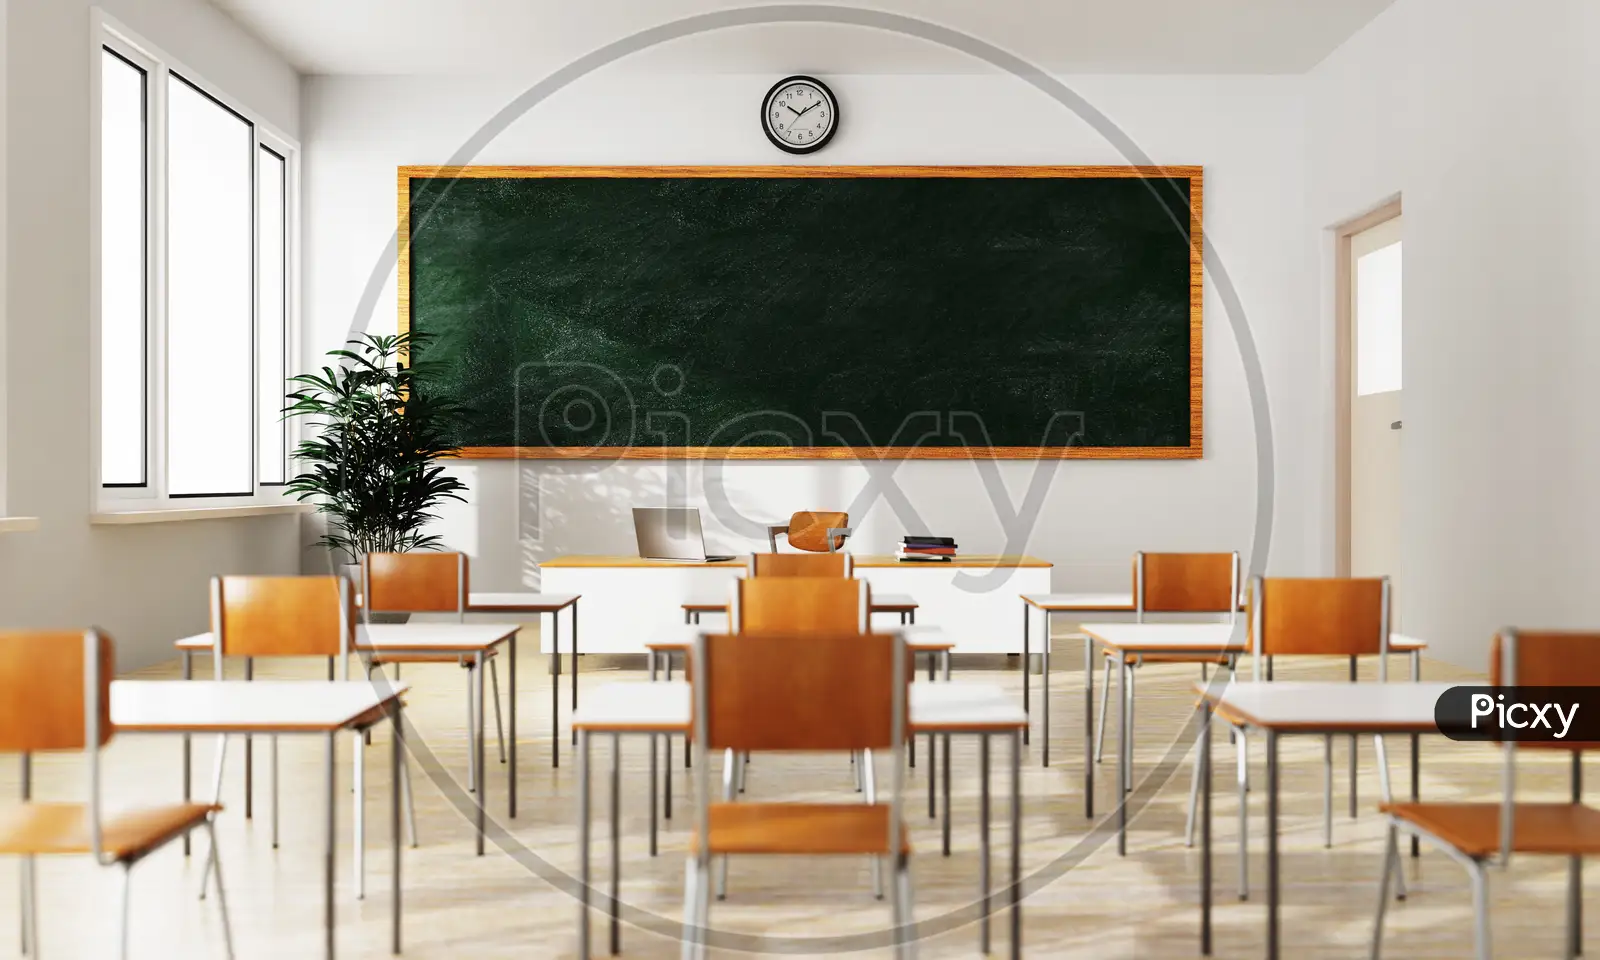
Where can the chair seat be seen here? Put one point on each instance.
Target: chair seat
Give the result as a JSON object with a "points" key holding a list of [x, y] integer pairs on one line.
{"points": [[800, 828], [1474, 828], [63, 828]]}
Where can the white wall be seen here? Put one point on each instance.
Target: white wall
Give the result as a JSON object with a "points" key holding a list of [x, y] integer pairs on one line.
{"points": [[146, 585], [1245, 131], [1481, 115]]}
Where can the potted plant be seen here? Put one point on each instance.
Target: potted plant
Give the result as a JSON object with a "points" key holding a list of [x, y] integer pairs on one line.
{"points": [[372, 461]]}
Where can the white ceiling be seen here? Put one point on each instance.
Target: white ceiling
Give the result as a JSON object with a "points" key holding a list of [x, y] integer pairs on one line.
{"points": [[1062, 36]]}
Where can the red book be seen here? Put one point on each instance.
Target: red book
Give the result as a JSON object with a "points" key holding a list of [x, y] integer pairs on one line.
{"points": [[930, 551]]}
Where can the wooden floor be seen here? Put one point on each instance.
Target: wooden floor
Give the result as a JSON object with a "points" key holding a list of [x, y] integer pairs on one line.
{"points": [[1082, 899]]}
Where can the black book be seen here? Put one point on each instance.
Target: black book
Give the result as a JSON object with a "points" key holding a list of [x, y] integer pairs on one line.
{"points": [[926, 559], [911, 541]]}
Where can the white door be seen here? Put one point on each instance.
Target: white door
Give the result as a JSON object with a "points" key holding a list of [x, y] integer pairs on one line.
{"points": [[1376, 427]]}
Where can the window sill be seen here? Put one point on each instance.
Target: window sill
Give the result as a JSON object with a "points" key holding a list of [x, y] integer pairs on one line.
{"points": [[124, 517], [18, 524]]}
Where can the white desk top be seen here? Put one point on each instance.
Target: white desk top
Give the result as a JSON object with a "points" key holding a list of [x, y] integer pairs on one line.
{"points": [[1329, 707], [892, 601], [234, 706], [1091, 602], [408, 637], [1166, 637], [528, 602], [681, 636], [665, 708]]}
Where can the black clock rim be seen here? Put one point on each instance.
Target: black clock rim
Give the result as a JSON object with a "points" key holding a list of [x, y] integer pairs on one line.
{"points": [[833, 102]]}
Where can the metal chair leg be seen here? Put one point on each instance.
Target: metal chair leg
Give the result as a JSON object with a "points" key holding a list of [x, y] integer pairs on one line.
{"points": [[222, 896], [1100, 728], [691, 908], [731, 763], [122, 912], [1327, 790], [1243, 765], [1480, 911], [907, 918], [30, 907], [1391, 865], [499, 725], [410, 802], [1194, 792]]}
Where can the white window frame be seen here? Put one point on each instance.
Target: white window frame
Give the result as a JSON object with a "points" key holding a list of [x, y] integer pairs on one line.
{"points": [[106, 32]]}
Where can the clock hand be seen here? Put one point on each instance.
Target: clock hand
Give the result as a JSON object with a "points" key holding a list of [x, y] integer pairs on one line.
{"points": [[798, 113], [809, 109]]}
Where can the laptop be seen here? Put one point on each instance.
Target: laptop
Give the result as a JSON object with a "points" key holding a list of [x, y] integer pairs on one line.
{"points": [[671, 533]]}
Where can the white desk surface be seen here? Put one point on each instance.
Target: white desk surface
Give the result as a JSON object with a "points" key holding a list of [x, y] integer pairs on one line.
{"points": [[1165, 637], [1329, 707], [665, 708], [411, 637], [681, 636], [892, 601], [508, 602], [234, 706], [1065, 602]]}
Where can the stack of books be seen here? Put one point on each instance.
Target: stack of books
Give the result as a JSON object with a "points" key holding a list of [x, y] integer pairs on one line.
{"points": [[926, 549]]}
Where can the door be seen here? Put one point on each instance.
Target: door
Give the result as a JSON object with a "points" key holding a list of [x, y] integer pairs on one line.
{"points": [[1376, 426]]}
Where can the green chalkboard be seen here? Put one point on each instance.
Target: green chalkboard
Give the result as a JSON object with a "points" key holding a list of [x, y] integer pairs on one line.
{"points": [[810, 311]]}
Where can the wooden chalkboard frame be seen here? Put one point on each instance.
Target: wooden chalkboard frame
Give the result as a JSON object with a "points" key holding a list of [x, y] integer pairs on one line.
{"points": [[1194, 174]]}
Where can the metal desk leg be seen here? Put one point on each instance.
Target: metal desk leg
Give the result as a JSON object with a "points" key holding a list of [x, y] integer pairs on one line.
{"points": [[1088, 726], [1016, 847], [358, 828], [483, 779], [1027, 673], [654, 769], [1044, 646], [583, 845], [946, 774], [933, 777], [188, 744], [983, 841], [1416, 763], [1205, 829], [574, 664], [511, 726], [328, 838], [1354, 740], [249, 752], [1575, 873], [1121, 799], [1272, 845], [555, 688], [616, 844], [396, 772]]}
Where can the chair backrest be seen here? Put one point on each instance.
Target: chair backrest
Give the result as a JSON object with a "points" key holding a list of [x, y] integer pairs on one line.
{"points": [[1339, 616], [1186, 583], [47, 681], [808, 530], [791, 605], [800, 565], [414, 583], [817, 692], [282, 617]]}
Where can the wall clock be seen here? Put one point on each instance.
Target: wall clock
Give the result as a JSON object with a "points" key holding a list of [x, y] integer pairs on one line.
{"points": [[799, 114]]}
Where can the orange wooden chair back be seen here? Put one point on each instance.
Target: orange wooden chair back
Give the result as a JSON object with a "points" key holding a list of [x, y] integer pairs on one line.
{"points": [[1186, 582], [44, 680], [1546, 658], [800, 564], [414, 582], [827, 691], [282, 616], [808, 530], [1339, 616], [794, 605]]}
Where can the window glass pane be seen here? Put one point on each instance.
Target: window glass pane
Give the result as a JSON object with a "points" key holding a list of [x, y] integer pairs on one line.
{"points": [[123, 272], [271, 318], [1378, 321], [210, 296]]}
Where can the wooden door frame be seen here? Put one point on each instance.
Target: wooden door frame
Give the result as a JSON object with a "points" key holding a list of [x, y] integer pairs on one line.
{"points": [[1343, 319]]}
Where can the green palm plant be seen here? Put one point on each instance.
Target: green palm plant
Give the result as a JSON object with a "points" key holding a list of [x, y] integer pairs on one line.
{"points": [[372, 463]]}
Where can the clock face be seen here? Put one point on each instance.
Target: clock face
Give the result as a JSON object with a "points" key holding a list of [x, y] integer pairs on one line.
{"points": [[799, 114]]}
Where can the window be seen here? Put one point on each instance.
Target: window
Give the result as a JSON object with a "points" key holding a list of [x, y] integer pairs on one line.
{"points": [[195, 312]]}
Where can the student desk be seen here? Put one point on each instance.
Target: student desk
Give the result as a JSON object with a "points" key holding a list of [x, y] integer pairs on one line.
{"points": [[277, 707], [653, 709], [473, 641], [1299, 708]]}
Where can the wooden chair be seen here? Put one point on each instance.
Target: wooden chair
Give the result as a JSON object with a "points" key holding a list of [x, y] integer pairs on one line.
{"points": [[55, 694], [1477, 835], [813, 532], [801, 565], [311, 616], [1315, 616], [828, 691], [429, 583], [1173, 583]]}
